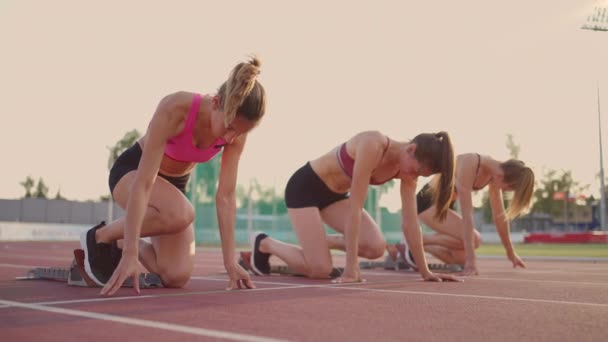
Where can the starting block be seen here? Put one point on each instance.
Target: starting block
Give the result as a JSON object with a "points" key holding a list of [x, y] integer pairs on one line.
{"points": [[245, 262], [75, 275], [390, 263]]}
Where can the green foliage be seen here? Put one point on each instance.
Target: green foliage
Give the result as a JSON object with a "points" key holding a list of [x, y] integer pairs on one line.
{"points": [[265, 200], [551, 183], [58, 195], [28, 184], [41, 189], [512, 147], [543, 202], [124, 143]]}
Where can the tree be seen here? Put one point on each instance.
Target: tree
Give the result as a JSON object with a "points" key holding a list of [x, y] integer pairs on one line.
{"points": [[28, 184], [551, 183], [512, 147], [124, 143], [41, 189], [267, 202], [58, 195]]}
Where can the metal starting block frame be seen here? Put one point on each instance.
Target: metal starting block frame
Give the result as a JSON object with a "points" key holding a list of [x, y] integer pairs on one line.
{"points": [[75, 275], [245, 262], [391, 264]]}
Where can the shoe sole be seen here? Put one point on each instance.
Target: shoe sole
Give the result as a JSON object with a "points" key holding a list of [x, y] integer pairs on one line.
{"points": [[87, 266], [252, 261]]}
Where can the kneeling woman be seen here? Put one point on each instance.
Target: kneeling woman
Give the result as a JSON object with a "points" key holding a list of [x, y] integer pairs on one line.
{"points": [[148, 181], [456, 238], [318, 194]]}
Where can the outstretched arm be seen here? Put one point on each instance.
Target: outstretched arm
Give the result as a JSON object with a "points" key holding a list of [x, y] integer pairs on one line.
{"points": [[226, 212], [412, 233], [502, 225], [410, 225], [367, 155]]}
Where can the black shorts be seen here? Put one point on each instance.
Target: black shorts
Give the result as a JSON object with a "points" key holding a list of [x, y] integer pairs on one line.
{"points": [[129, 161], [305, 189], [424, 199]]}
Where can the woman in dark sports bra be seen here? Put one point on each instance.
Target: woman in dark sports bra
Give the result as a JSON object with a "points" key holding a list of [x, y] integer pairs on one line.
{"points": [[332, 189], [456, 238]]}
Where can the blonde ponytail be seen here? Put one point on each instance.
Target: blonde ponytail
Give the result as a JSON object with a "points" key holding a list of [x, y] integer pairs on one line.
{"points": [[520, 178], [242, 93]]}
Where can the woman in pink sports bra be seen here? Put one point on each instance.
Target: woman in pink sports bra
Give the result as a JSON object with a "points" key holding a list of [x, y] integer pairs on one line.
{"points": [[332, 189], [456, 238], [148, 180]]}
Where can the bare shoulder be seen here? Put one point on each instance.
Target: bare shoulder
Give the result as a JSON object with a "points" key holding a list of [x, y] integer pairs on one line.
{"points": [[175, 106], [170, 115], [466, 166], [467, 159], [175, 103], [369, 135], [367, 138]]}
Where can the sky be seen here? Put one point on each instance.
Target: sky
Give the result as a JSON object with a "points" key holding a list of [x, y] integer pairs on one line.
{"points": [[75, 76]]}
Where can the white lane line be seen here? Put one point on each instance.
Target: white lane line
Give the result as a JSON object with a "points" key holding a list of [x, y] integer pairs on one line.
{"points": [[351, 287], [145, 323], [38, 257], [328, 286], [284, 286], [17, 266], [179, 294], [568, 282], [515, 299]]}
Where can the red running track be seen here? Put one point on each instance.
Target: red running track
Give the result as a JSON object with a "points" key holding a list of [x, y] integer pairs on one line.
{"points": [[549, 301]]}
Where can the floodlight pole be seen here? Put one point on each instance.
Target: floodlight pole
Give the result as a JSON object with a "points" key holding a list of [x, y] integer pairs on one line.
{"points": [[598, 21], [602, 184]]}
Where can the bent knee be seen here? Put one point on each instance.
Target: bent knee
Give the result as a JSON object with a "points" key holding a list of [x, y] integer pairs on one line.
{"points": [[319, 270], [374, 251], [175, 279], [178, 220]]}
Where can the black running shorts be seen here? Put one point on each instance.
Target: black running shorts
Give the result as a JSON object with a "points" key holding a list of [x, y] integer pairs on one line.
{"points": [[305, 189], [129, 161]]}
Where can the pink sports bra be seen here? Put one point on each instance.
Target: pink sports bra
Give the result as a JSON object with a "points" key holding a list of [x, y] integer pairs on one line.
{"points": [[181, 147], [347, 163]]}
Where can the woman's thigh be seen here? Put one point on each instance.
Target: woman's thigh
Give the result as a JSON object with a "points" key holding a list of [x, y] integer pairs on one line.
{"points": [[453, 224], [310, 231], [336, 216], [166, 201]]}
